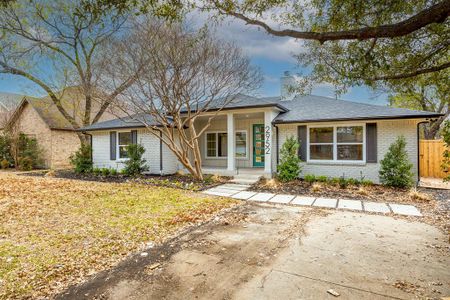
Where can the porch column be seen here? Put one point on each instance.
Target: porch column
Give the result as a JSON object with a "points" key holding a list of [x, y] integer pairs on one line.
{"points": [[268, 147], [230, 142]]}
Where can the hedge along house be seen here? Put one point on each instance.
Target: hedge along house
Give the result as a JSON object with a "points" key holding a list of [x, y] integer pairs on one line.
{"points": [[337, 138]]}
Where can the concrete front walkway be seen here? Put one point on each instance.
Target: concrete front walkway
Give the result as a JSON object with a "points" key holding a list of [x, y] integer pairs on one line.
{"points": [[239, 191]]}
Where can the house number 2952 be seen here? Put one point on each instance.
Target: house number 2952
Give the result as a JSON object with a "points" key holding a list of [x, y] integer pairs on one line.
{"points": [[267, 142]]}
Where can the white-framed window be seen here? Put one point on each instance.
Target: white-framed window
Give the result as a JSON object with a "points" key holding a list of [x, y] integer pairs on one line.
{"points": [[336, 143], [123, 140], [217, 144]]}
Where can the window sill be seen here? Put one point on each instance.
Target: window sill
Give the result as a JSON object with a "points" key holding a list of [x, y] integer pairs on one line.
{"points": [[337, 163]]}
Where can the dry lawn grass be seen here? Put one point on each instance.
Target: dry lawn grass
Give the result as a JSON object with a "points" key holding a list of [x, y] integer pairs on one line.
{"points": [[55, 232]]}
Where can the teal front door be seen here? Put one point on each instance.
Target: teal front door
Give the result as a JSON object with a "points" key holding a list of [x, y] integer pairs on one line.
{"points": [[258, 145]]}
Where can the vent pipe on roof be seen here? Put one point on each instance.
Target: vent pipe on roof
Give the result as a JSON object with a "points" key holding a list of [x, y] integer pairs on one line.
{"points": [[288, 84]]}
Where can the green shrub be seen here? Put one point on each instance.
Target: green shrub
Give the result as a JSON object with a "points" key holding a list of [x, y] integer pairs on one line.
{"points": [[334, 180], [322, 178], [445, 166], [81, 160], [25, 163], [5, 150], [28, 153], [353, 181], [105, 171], [4, 164], [343, 183], [366, 182], [113, 172], [135, 164], [310, 178], [395, 167], [289, 167], [97, 171]]}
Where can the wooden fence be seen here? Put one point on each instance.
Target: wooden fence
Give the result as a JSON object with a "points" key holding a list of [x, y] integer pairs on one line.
{"points": [[431, 158]]}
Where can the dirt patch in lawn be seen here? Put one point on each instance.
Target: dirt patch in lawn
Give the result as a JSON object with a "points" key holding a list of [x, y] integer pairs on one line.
{"points": [[433, 203], [206, 262], [261, 251], [185, 182], [56, 232]]}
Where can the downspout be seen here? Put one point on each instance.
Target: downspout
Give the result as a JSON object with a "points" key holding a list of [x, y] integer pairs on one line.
{"points": [[277, 141], [90, 143], [160, 154], [418, 150]]}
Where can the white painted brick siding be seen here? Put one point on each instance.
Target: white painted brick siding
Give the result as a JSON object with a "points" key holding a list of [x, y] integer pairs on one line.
{"points": [[101, 155], [387, 133]]}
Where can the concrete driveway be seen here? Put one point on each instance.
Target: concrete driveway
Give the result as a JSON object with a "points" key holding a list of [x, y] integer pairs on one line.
{"points": [[279, 252]]}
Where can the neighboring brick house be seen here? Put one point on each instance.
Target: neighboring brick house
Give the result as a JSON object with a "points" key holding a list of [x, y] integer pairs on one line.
{"points": [[40, 118]]}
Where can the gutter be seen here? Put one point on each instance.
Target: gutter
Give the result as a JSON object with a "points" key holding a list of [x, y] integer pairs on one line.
{"points": [[359, 118], [279, 106], [277, 143]]}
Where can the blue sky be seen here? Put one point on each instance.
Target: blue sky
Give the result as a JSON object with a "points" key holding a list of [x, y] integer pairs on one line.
{"points": [[273, 55]]}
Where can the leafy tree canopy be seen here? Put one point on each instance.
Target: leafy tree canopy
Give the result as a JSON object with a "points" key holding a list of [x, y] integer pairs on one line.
{"points": [[348, 42], [429, 92]]}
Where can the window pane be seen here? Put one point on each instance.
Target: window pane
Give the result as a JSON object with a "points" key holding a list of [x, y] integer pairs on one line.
{"points": [[123, 152], [350, 134], [211, 144], [349, 152], [321, 135], [223, 142], [324, 152], [241, 144], [124, 138]]}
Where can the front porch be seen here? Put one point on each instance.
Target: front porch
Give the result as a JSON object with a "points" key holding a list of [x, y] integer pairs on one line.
{"points": [[238, 143]]}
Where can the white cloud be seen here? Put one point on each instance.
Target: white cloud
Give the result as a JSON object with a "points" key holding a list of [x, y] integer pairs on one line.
{"points": [[254, 41]]}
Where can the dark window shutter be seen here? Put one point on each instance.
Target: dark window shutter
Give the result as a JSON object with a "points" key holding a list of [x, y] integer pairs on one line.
{"points": [[112, 145], [302, 142], [371, 142], [134, 136]]}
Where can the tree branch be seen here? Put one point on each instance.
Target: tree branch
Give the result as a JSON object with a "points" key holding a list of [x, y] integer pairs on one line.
{"points": [[437, 13], [411, 74]]}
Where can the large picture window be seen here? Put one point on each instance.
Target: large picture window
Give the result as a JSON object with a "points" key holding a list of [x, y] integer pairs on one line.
{"points": [[217, 144], [124, 139], [336, 143]]}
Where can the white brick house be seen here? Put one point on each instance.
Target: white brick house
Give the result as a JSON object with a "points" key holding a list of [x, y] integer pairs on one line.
{"points": [[336, 137]]}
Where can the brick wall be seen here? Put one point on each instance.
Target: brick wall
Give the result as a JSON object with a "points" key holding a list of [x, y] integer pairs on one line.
{"points": [[30, 123], [387, 133], [64, 144]]}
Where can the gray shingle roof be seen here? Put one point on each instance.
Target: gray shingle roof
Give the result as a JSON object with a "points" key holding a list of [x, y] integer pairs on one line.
{"points": [[135, 121], [242, 101], [308, 108], [316, 109]]}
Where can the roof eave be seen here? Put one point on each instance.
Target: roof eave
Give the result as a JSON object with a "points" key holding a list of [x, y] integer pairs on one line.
{"points": [[279, 106], [112, 127]]}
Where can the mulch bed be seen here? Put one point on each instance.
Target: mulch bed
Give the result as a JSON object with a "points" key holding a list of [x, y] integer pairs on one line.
{"points": [[436, 210], [377, 193], [175, 181]]}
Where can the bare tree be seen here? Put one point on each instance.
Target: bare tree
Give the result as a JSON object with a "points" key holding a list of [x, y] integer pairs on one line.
{"points": [[55, 44], [188, 75]]}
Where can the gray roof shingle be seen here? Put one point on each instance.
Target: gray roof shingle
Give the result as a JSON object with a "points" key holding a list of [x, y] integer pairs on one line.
{"points": [[308, 108], [319, 109], [135, 121], [241, 101]]}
